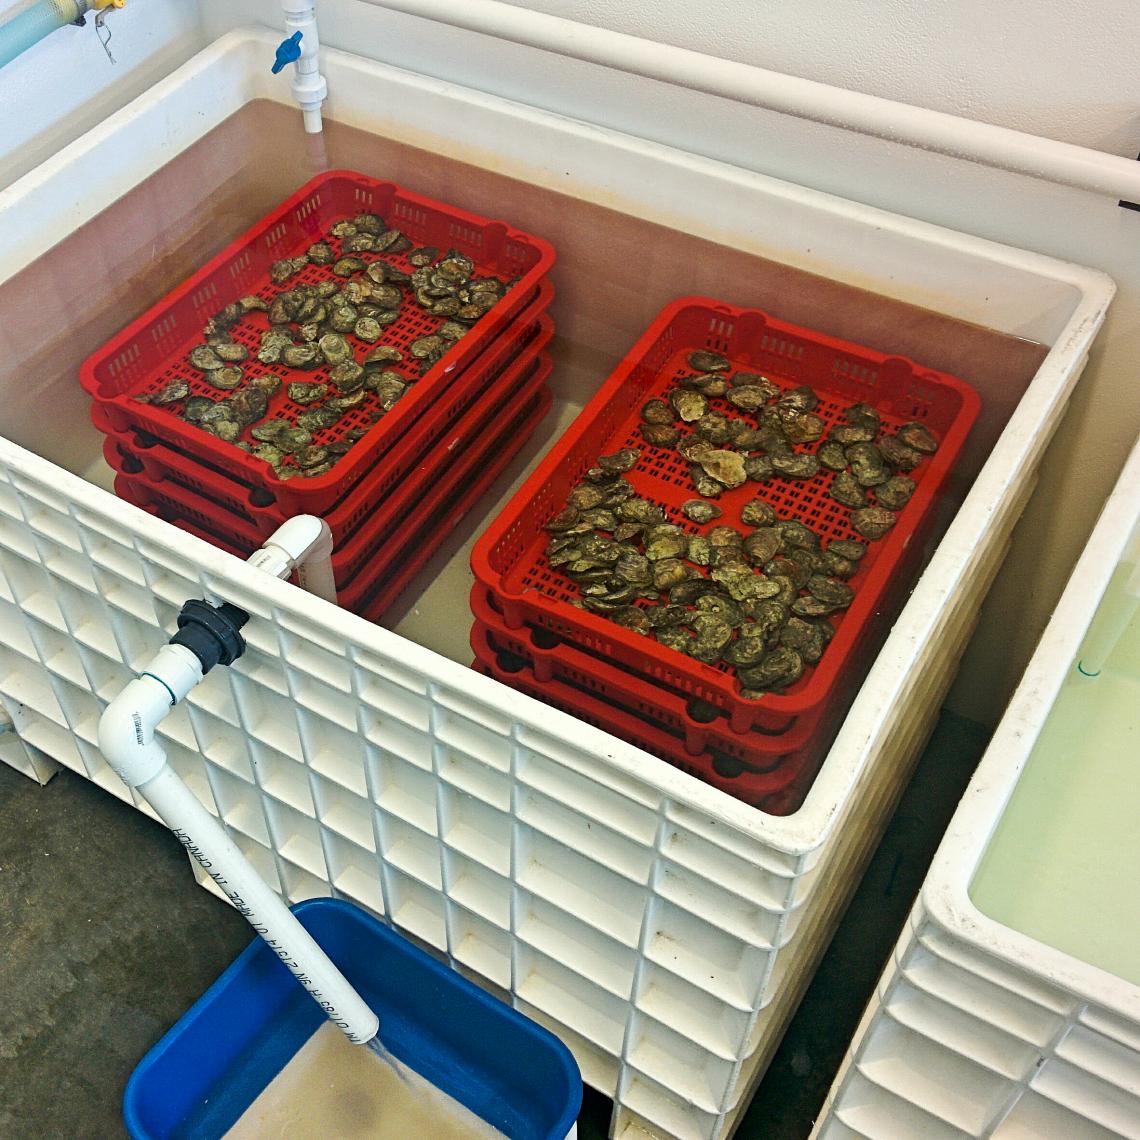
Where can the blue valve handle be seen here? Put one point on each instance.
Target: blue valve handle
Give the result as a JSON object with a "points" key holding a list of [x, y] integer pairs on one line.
{"points": [[288, 51]]}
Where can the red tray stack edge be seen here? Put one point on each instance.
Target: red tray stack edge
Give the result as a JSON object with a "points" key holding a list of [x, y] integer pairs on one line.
{"points": [[408, 474], [527, 633]]}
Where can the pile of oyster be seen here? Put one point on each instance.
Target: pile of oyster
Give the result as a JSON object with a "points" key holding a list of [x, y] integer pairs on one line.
{"points": [[756, 596], [325, 344]]}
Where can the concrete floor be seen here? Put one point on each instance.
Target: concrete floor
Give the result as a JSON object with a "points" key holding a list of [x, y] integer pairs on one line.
{"points": [[107, 939]]}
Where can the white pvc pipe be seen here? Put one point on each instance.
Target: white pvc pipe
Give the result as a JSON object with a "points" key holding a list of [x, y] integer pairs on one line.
{"points": [[309, 86], [303, 543], [127, 740], [982, 143], [217, 854]]}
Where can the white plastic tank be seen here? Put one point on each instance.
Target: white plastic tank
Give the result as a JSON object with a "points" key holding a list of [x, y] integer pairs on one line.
{"points": [[576, 875]]}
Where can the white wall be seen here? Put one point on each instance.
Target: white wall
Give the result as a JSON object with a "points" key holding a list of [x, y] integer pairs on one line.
{"points": [[1063, 68], [65, 84]]}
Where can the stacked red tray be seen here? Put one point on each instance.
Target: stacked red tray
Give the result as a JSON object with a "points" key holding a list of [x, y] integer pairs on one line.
{"points": [[531, 630], [443, 435]]}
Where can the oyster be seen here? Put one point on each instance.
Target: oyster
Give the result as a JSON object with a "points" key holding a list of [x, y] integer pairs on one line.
{"points": [[389, 388], [347, 266], [228, 377], [368, 223], [620, 462], [748, 397], [430, 347], [705, 361], [713, 634], [273, 342], [867, 464], [301, 356], [918, 437], [248, 405], [898, 455], [713, 426], [690, 406], [895, 493], [832, 456], [845, 490], [660, 435], [777, 669], [704, 484], [303, 393], [231, 352], [317, 419], [347, 402], [757, 512], [670, 572], [828, 590], [173, 392], [763, 544], [268, 430], [383, 354], [798, 466], [725, 467], [755, 380], [656, 412], [334, 348], [798, 400], [803, 428], [359, 243], [847, 548], [807, 638], [759, 468], [700, 511], [797, 534], [872, 522], [205, 359]]}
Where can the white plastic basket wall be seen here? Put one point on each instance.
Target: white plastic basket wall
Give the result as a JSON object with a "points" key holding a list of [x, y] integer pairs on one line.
{"points": [[529, 849], [977, 1030], [664, 930]]}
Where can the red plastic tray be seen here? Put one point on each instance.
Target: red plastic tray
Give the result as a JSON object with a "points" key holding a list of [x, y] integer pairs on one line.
{"points": [[448, 514], [509, 559], [172, 477], [754, 749], [395, 567], [151, 351], [461, 451], [160, 460], [778, 792]]}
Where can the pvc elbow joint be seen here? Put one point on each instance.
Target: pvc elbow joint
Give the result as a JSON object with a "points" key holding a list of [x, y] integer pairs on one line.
{"points": [[126, 728], [207, 636]]}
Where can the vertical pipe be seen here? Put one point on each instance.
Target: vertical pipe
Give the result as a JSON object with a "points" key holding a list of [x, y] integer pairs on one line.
{"points": [[206, 841], [309, 86]]}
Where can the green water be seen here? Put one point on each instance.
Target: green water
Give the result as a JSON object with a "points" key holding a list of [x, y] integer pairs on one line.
{"points": [[1062, 865]]}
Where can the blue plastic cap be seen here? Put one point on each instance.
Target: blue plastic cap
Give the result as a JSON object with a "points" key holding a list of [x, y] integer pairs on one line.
{"points": [[288, 51]]}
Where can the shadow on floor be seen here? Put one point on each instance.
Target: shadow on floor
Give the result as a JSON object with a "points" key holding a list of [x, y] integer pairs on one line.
{"points": [[107, 939]]}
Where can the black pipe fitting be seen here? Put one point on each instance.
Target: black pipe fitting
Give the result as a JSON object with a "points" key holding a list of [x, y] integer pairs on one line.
{"points": [[211, 632]]}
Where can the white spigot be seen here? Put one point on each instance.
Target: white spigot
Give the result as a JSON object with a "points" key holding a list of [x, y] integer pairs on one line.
{"points": [[309, 86]]}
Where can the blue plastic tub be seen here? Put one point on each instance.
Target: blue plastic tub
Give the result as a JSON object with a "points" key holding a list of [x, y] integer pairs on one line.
{"points": [[247, 1026]]}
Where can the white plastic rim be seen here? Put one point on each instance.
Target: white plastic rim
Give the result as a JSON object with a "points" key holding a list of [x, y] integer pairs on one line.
{"points": [[649, 181]]}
